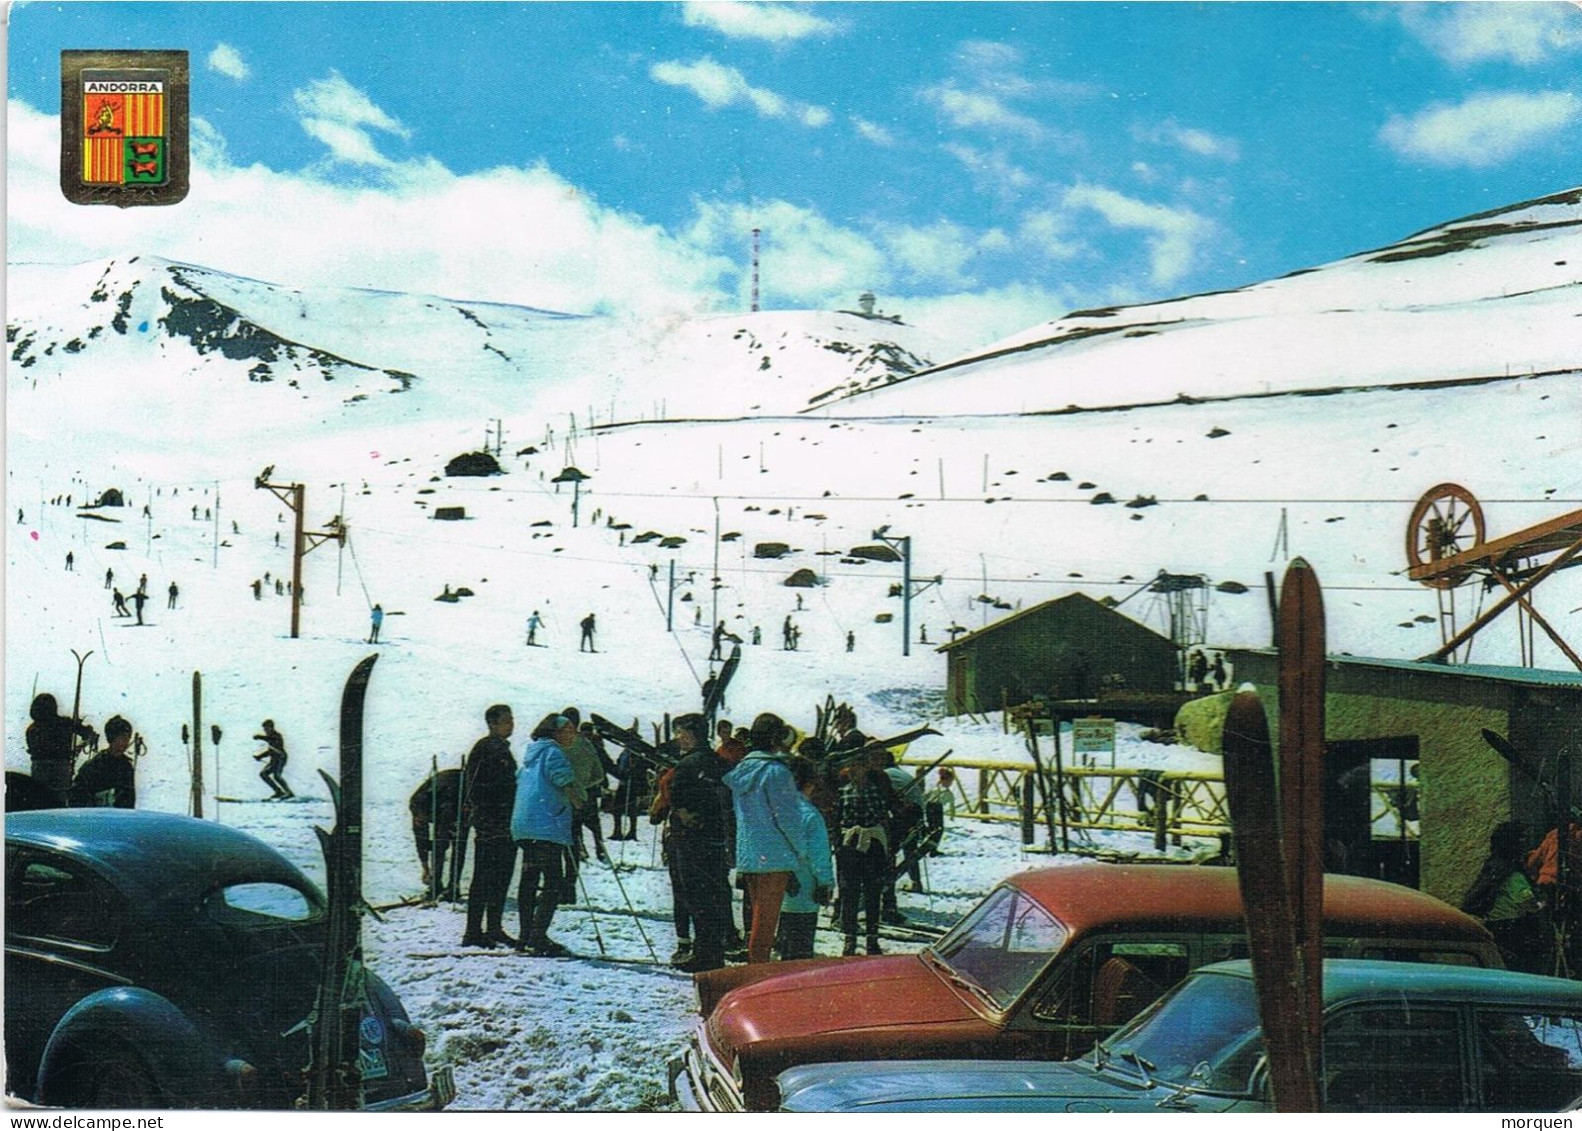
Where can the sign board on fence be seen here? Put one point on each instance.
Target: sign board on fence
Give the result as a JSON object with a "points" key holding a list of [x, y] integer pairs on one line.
{"points": [[1093, 736]]}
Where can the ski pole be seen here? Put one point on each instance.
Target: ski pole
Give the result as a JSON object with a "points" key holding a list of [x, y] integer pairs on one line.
{"points": [[636, 918], [593, 919]]}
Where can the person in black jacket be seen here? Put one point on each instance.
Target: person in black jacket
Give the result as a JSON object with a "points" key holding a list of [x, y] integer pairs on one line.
{"points": [[489, 793], [273, 773], [108, 779], [49, 745], [436, 819], [700, 809]]}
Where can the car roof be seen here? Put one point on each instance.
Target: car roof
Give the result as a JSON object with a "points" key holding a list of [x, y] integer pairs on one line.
{"points": [[1364, 979], [159, 859], [1166, 897]]}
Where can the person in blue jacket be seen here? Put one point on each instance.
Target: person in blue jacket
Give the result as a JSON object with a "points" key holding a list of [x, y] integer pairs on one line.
{"points": [[547, 793], [768, 809], [815, 870]]}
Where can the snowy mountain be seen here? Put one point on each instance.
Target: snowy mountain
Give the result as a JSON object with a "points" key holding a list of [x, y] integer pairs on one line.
{"points": [[1482, 298], [177, 332]]}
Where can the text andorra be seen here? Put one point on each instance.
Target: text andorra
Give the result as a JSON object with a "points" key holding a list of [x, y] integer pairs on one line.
{"points": [[103, 87]]}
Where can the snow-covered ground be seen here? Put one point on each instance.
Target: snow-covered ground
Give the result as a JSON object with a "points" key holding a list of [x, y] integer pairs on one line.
{"points": [[1004, 509]]}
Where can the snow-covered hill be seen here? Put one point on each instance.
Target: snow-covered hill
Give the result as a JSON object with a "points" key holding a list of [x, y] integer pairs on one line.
{"points": [[1487, 296], [181, 334]]}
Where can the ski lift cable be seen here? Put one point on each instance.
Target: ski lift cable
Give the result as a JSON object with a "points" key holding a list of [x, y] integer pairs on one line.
{"points": [[1086, 582], [358, 569]]}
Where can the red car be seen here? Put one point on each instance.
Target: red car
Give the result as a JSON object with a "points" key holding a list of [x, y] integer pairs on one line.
{"points": [[1049, 962]]}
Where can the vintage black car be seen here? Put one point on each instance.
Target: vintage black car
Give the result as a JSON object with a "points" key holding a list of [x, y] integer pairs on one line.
{"points": [[157, 961]]}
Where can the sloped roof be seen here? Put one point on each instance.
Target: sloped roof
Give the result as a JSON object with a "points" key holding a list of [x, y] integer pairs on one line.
{"points": [[1498, 673], [1016, 616]]}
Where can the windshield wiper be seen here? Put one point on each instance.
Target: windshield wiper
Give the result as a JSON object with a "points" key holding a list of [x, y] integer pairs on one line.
{"points": [[1144, 1065], [1101, 1054], [966, 983]]}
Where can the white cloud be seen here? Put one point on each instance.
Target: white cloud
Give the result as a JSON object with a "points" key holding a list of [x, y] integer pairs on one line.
{"points": [[228, 61], [338, 114], [1173, 234], [777, 23], [1049, 232], [873, 132], [1195, 141], [992, 170], [1518, 32], [937, 253], [970, 109], [546, 243], [718, 86], [1483, 130], [967, 322], [805, 258]]}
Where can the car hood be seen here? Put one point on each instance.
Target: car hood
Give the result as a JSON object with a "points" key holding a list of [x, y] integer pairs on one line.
{"points": [[800, 1006], [959, 1086]]}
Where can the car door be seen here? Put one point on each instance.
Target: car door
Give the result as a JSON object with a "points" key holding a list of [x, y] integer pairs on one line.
{"points": [[1396, 1056], [62, 925]]}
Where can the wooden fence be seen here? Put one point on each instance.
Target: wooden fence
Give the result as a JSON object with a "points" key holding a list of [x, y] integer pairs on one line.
{"points": [[1171, 804]]}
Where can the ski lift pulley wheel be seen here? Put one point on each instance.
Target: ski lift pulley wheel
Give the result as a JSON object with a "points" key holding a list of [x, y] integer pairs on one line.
{"points": [[1446, 521]]}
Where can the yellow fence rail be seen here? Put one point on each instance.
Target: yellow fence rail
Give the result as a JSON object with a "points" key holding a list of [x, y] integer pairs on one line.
{"points": [[1171, 804]]}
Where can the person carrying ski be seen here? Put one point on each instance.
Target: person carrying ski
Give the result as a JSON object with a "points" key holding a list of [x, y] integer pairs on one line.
{"points": [[50, 737], [437, 817], [375, 618], [764, 797], [699, 835], [275, 751], [587, 634], [534, 623], [109, 778], [719, 637], [547, 796], [489, 792]]}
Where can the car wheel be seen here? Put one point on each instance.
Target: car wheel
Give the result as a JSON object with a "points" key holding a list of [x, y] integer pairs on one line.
{"points": [[110, 1074]]}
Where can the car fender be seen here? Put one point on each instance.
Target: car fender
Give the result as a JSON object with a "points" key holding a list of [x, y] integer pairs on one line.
{"points": [[182, 1059]]}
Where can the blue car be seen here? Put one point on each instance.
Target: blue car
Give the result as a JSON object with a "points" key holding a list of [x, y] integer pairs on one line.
{"points": [[1398, 1036], [157, 961]]}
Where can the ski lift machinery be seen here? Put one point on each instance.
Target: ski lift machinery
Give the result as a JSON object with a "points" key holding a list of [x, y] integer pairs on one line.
{"points": [[1447, 547]]}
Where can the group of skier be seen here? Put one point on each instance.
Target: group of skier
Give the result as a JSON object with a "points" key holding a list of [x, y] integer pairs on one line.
{"points": [[787, 825]]}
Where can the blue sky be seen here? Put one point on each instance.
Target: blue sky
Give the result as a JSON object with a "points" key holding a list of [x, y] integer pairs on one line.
{"points": [[981, 165]]}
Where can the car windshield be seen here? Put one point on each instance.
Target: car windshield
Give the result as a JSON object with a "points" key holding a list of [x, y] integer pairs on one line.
{"points": [[1001, 946], [1204, 1034]]}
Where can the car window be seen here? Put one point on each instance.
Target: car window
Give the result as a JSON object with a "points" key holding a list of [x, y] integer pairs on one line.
{"points": [[260, 904], [1111, 981], [1528, 1061], [1398, 1057], [1398, 952], [56, 900], [1003, 944]]}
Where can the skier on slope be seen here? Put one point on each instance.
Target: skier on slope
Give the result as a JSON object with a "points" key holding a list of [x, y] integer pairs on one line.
{"points": [[275, 751]]}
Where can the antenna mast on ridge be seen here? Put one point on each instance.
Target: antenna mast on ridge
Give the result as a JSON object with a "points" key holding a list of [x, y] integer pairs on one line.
{"points": [[755, 271]]}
